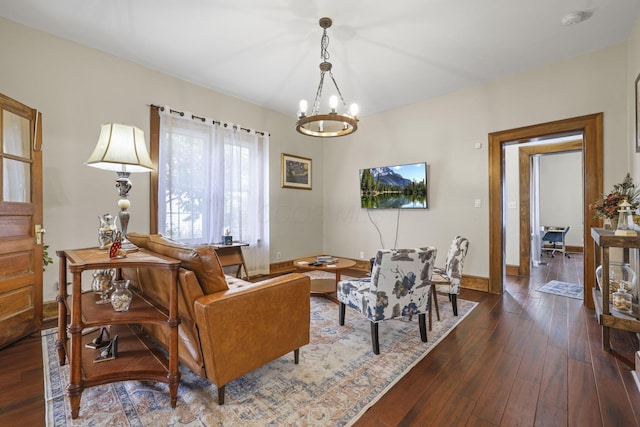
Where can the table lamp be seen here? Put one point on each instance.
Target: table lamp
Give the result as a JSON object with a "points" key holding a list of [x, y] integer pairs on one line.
{"points": [[122, 148]]}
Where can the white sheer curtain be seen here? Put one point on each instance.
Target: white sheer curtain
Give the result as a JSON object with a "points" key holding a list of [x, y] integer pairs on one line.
{"points": [[210, 177]]}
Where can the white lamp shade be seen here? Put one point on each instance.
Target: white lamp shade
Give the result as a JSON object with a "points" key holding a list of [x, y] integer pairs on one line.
{"points": [[121, 148]]}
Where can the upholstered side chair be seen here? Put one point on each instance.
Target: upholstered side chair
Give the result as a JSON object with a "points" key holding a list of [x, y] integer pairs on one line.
{"points": [[447, 280], [399, 286]]}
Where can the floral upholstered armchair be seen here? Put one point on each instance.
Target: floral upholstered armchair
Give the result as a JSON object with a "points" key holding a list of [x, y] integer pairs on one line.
{"points": [[447, 280], [399, 286]]}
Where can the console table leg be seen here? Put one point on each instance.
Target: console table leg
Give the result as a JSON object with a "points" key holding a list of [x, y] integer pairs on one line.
{"points": [[174, 382], [606, 344], [61, 299], [75, 392], [62, 360]]}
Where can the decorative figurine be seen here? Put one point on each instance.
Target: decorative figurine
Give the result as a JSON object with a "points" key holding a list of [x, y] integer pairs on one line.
{"points": [[102, 285], [116, 248], [106, 231]]}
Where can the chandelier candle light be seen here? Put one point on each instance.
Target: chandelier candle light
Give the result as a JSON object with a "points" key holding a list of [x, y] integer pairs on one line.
{"points": [[331, 124], [121, 148]]}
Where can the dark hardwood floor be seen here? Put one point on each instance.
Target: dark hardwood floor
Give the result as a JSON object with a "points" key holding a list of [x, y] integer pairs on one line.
{"points": [[523, 358]]}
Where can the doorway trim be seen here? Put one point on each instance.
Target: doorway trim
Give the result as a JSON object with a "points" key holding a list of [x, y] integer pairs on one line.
{"points": [[592, 149], [525, 155]]}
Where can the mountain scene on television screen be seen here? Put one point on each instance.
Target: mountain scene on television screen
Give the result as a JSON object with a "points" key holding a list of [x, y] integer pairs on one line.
{"points": [[385, 188], [388, 176]]}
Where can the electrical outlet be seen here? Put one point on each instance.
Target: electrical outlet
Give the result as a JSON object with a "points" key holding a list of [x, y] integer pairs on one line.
{"points": [[278, 255], [513, 205], [361, 255], [478, 203]]}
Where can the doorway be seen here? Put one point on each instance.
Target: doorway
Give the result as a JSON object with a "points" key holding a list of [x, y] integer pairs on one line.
{"points": [[525, 160], [592, 148]]}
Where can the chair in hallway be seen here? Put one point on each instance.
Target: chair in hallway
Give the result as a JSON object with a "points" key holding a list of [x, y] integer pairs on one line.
{"points": [[399, 286], [554, 236], [447, 280]]}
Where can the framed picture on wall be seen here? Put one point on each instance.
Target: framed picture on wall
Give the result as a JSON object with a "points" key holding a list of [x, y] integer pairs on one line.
{"points": [[296, 172], [637, 90]]}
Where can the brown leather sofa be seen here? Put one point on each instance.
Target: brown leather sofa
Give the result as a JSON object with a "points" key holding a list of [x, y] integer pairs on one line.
{"points": [[228, 326]]}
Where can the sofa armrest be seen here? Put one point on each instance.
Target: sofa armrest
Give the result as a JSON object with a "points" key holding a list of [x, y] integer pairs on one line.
{"points": [[245, 327]]}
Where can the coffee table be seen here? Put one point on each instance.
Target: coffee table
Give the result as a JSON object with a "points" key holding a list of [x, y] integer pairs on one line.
{"points": [[324, 286]]}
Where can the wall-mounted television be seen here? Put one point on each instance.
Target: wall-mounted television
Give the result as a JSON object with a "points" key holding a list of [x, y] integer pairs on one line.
{"points": [[394, 187]]}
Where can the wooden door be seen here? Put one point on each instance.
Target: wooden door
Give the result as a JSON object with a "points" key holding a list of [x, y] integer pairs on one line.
{"points": [[20, 217]]}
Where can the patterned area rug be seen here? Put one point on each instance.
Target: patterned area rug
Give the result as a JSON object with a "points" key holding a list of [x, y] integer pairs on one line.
{"points": [[326, 275], [564, 289], [337, 379]]}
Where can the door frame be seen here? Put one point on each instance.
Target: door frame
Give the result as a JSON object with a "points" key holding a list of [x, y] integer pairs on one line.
{"points": [[592, 148], [524, 159]]}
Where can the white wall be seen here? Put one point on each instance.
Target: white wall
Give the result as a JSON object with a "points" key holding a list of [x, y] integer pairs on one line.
{"points": [[77, 89], [443, 132], [561, 194], [633, 71]]}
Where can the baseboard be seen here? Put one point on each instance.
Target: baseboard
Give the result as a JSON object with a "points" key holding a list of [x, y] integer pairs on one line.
{"points": [[281, 267], [287, 266], [49, 310], [576, 249], [512, 270], [475, 283]]}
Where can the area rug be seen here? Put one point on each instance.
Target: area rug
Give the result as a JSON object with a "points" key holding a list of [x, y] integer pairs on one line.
{"points": [[337, 379], [327, 275], [564, 289]]}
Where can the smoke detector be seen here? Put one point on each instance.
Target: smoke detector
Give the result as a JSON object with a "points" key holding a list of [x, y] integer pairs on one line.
{"points": [[572, 18]]}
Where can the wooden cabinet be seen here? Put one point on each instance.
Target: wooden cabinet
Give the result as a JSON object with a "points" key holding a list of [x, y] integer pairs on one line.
{"points": [[136, 358], [604, 240]]}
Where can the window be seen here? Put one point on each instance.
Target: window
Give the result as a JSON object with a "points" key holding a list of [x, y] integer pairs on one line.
{"points": [[211, 177]]}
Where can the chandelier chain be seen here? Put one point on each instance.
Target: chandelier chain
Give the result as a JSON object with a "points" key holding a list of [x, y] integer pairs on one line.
{"points": [[324, 44], [316, 102], [338, 89]]}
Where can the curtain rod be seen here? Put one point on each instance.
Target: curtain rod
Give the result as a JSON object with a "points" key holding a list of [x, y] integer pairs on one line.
{"points": [[203, 120]]}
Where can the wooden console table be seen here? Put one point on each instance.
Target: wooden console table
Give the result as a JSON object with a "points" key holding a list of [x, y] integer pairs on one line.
{"points": [[136, 358], [604, 240], [231, 255]]}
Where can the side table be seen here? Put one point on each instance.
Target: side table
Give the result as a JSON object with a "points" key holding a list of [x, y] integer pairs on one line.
{"points": [[231, 255], [324, 286], [136, 358]]}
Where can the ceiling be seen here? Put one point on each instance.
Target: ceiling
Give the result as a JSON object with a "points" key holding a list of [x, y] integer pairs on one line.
{"points": [[385, 54]]}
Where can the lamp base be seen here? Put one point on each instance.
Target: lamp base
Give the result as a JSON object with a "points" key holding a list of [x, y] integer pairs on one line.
{"points": [[127, 246]]}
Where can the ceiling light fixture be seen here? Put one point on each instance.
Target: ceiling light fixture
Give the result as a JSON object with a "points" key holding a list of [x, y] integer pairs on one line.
{"points": [[572, 18], [331, 124]]}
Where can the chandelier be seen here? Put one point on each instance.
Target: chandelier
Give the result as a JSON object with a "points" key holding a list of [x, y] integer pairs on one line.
{"points": [[331, 124]]}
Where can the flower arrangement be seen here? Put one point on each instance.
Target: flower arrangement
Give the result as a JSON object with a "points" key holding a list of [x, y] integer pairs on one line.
{"points": [[607, 206]]}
